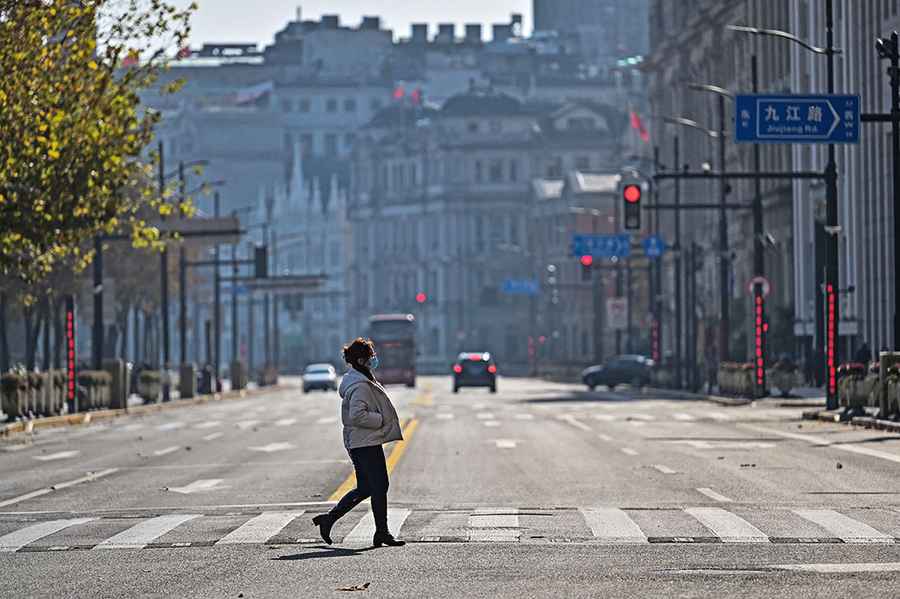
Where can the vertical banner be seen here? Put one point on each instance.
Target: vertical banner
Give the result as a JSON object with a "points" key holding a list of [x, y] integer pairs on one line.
{"points": [[71, 371]]}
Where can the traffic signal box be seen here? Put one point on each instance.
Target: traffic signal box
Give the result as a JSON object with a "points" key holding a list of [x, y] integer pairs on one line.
{"points": [[632, 194]]}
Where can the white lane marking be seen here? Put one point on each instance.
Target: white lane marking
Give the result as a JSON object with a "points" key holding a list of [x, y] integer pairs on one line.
{"points": [[247, 424], [845, 528], [205, 484], [713, 495], [605, 417], [170, 426], [720, 416], [628, 451], [209, 424], [727, 526], [272, 447], [132, 427], [167, 450], [259, 529], [569, 419], [445, 416], [142, 534], [664, 469], [484, 416], [505, 443], [213, 436], [697, 444], [682, 417], [822, 442], [12, 448], [491, 423], [58, 486], [493, 525], [604, 437], [16, 540], [60, 455], [365, 529], [612, 525], [524, 416], [478, 406], [327, 420], [842, 568], [285, 422]]}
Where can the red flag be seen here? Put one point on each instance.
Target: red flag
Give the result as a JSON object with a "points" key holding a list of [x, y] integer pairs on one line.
{"points": [[638, 126], [399, 92], [132, 60], [183, 53], [416, 96]]}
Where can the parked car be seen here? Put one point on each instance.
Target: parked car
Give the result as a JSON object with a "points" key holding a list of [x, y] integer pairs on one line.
{"points": [[475, 370], [633, 370], [320, 376]]}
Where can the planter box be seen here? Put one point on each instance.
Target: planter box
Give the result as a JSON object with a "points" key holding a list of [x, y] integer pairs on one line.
{"points": [[149, 386]]}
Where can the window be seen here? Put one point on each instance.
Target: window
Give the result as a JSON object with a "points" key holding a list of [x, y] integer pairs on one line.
{"points": [[304, 105], [306, 144], [496, 171], [287, 105], [349, 140], [583, 163], [554, 169], [479, 174], [514, 170], [350, 105], [331, 105], [472, 126], [331, 147]]}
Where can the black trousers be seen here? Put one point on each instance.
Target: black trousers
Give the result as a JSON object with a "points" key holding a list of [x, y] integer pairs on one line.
{"points": [[371, 481]]}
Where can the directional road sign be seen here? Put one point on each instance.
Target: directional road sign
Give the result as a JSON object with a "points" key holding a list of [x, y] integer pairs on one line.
{"points": [[601, 246], [654, 246], [797, 119], [520, 287]]}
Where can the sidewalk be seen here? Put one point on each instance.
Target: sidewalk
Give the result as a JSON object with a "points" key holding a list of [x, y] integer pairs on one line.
{"points": [[805, 397]]}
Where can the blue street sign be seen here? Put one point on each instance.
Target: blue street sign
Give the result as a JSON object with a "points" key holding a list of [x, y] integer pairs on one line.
{"points": [[654, 246], [520, 287], [797, 119], [601, 246]]}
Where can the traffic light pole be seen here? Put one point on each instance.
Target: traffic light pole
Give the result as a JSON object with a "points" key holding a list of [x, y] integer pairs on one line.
{"points": [[759, 259], [832, 230], [164, 288], [724, 279], [217, 302], [679, 333]]}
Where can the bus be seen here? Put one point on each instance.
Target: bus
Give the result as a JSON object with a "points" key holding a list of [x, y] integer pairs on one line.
{"points": [[395, 341]]}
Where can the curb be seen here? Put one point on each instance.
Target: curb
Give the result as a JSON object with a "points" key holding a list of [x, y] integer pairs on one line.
{"points": [[862, 421], [85, 418], [723, 401]]}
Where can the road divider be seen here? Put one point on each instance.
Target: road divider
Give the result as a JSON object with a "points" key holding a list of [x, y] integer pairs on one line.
{"points": [[59, 486]]}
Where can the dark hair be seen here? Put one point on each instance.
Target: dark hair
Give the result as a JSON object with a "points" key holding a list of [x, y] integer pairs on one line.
{"points": [[359, 350]]}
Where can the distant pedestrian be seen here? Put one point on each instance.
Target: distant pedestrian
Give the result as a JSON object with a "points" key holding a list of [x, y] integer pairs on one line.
{"points": [[863, 354], [369, 420]]}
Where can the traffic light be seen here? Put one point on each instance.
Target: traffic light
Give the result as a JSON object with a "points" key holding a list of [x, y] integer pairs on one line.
{"points": [[261, 262], [587, 263], [631, 194], [421, 298]]}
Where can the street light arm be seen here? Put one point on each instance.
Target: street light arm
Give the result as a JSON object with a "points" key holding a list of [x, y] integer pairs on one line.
{"points": [[685, 122], [713, 89], [783, 35]]}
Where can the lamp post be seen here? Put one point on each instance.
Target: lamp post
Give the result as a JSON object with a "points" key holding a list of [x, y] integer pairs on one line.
{"points": [[832, 228]]}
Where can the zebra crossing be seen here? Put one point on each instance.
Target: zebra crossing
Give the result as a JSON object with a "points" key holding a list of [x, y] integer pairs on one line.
{"points": [[599, 525]]}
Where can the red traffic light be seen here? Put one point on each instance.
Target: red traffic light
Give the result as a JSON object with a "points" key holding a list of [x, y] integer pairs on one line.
{"points": [[632, 194], [587, 260], [421, 298]]}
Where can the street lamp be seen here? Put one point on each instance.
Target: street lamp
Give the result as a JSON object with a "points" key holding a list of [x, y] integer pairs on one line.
{"points": [[832, 227]]}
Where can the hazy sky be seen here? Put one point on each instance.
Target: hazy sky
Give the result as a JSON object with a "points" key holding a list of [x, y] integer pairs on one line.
{"points": [[258, 20]]}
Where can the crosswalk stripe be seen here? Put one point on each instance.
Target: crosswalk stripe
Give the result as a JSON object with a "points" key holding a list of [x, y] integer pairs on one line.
{"points": [[713, 495], [365, 529], [16, 540], [683, 417], [260, 529], [170, 426], [843, 527], [143, 533], [445, 416], [727, 526], [494, 525], [612, 525]]}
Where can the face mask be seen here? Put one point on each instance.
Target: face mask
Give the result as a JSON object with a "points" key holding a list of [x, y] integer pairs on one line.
{"points": [[373, 363]]}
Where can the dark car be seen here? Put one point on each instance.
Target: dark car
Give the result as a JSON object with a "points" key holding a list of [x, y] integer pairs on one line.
{"points": [[474, 370], [633, 370]]}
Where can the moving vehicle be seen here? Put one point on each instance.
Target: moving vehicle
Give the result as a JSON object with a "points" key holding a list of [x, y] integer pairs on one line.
{"points": [[395, 342], [633, 370], [320, 376], [475, 370]]}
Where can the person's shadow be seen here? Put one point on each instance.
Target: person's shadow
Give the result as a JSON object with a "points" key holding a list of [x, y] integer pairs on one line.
{"points": [[323, 552]]}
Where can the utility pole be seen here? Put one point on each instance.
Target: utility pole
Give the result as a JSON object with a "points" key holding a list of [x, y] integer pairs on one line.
{"points": [[97, 335], [251, 328], [724, 279], [895, 146], [832, 234], [657, 271], [217, 303], [759, 258], [235, 324], [164, 285], [679, 356], [182, 274]]}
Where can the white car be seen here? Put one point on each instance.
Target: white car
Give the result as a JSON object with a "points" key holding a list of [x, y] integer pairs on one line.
{"points": [[320, 376]]}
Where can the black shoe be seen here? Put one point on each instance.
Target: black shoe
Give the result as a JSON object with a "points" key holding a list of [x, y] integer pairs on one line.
{"points": [[324, 522], [386, 538]]}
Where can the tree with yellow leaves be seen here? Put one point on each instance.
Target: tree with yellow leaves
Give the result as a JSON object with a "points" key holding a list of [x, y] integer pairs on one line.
{"points": [[73, 133]]}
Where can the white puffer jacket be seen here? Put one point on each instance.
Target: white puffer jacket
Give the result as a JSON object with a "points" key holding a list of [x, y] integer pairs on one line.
{"points": [[368, 416]]}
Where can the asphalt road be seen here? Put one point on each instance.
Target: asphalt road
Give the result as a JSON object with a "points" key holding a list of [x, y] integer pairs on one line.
{"points": [[542, 490]]}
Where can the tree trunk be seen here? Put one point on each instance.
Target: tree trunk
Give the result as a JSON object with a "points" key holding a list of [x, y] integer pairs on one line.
{"points": [[4, 339], [29, 337], [60, 330], [123, 327], [45, 350]]}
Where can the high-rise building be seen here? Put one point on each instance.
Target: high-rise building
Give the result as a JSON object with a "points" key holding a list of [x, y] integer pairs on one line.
{"points": [[603, 30]]}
